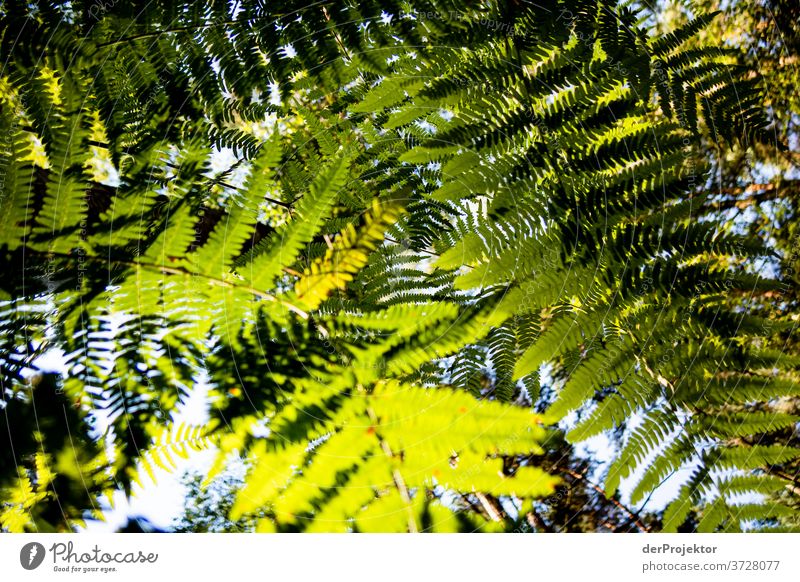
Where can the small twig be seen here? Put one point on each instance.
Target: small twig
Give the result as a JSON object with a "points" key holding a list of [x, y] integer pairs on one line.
{"points": [[142, 35], [491, 506], [537, 522], [292, 272], [336, 34], [183, 272], [783, 475], [286, 205], [795, 482], [397, 477], [633, 517], [609, 526]]}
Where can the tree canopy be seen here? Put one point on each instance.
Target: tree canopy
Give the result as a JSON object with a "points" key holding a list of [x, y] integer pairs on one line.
{"points": [[410, 253]]}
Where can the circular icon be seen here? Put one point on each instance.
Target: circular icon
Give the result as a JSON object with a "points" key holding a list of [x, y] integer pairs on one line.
{"points": [[31, 555]]}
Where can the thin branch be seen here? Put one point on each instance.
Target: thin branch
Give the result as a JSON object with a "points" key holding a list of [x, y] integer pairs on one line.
{"points": [[794, 480], [142, 35], [537, 522], [609, 526], [397, 477], [287, 205], [183, 272], [784, 475], [744, 197], [491, 506], [633, 516], [476, 507], [756, 197], [391, 240], [336, 34]]}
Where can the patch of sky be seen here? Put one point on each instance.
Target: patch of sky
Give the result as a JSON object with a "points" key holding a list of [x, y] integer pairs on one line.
{"points": [[275, 94], [602, 450], [159, 501], [288, 51]]}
